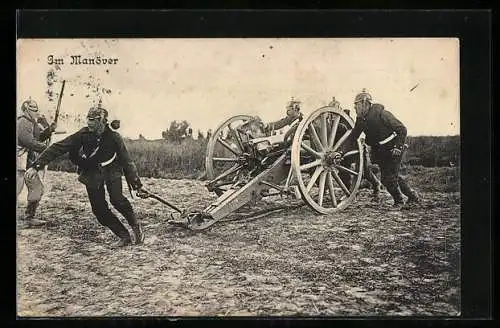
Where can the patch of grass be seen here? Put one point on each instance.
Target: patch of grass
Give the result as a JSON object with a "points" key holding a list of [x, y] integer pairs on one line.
{"points": [[162, 159], [441, 179]]}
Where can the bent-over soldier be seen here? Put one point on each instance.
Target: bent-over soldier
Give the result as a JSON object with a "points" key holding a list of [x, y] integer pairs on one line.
{"points": [[102, 159], [31, 135], [292, 113], [255, 128], [386, 136], [368, 173]]}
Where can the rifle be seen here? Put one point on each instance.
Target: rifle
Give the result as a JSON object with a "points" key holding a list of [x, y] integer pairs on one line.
{"points": [[56, 117]]}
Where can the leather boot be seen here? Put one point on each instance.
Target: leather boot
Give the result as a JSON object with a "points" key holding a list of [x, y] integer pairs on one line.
{"points": [[376, 192], [408, 192], [138, 233], [29, 217], [396, 195], [123, 242], [121, 232], [136, 226]]}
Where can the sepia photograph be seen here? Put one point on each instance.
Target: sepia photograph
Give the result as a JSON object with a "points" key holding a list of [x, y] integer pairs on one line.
{"points": [[238, 177]]}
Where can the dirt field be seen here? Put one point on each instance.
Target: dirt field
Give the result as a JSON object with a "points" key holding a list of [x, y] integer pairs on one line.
{"points": [[367, 260]]}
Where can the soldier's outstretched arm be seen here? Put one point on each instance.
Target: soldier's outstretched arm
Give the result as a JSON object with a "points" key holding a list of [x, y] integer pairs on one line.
{"points": [[25, 136], [355, 132], [56, 150], [280, 124]]}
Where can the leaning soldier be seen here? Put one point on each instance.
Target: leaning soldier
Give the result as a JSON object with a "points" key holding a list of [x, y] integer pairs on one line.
{"points": [[386, 136], [368, 173], [31, 134], [102, 158], [255, 128], [292, 114]]}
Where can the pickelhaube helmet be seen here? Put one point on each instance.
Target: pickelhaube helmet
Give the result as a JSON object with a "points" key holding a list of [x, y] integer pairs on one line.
{"points": [[30, 105], [334, 102], [293, 104], [363, 96], [97, 112]]}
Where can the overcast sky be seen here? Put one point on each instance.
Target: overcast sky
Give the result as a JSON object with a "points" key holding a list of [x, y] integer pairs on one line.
{"points": [[205, 81]]}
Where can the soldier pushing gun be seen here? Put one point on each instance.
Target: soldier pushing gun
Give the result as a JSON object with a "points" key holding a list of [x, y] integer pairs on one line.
{"points": [[386, 136], [368, 173]]}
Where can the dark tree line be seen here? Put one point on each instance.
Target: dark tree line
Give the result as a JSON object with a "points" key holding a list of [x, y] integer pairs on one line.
{"points": [[178, 131], [432, 151]]}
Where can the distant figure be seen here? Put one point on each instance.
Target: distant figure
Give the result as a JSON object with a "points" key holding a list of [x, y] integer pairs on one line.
{"points": [[334, 103], [386, 136]]}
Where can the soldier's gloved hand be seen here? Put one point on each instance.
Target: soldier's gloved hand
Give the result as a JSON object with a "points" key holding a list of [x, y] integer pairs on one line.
{"points": [[30, 173], [396, 152], [142, 193]]}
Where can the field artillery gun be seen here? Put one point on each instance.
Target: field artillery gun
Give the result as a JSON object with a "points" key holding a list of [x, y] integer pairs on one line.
{"points": [[313, 161]]}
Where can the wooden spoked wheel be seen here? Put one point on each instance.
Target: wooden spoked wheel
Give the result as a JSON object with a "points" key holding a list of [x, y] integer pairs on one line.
{"points": [[328, 169], [225, 148]]}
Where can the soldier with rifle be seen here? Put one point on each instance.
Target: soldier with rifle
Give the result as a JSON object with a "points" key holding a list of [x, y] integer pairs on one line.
{"points": [[102, 159], [32, 131]]}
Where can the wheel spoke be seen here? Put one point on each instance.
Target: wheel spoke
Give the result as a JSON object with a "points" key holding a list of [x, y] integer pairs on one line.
{"points": [[351, 152], [341, 140], [347, 170], [229, 171], [227, 146], [224, 159], [310, 165], [341, 183], [333, 132], [236, 137], [310, 150], [324, 133], [322, 180], [315, 137], [331, 189], [314, 177]]}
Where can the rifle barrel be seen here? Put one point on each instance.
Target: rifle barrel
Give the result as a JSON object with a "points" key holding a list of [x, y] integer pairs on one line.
{"points": [[56, 117]]}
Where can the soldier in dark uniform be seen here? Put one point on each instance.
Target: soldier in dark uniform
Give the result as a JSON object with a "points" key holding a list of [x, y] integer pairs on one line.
{"points": [[102, 158], [292, 113], [367, 171], [255, 128], [386, 136]]}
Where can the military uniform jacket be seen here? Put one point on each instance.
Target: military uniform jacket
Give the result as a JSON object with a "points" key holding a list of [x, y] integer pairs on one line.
{"points": [[280, 124], [381, 128], [99, 158], [30, 137]]}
